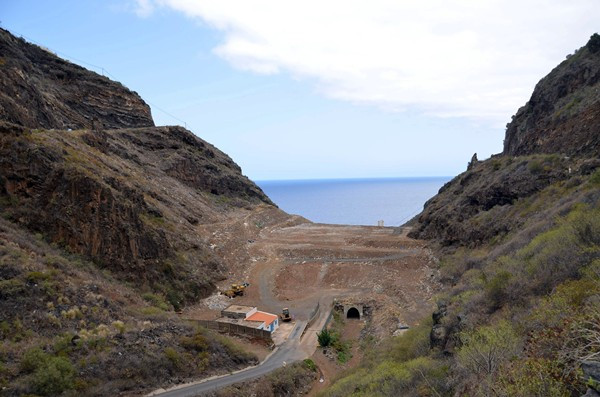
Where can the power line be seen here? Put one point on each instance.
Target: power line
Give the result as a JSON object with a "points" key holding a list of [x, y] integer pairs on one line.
{"points": [[103, 71]]}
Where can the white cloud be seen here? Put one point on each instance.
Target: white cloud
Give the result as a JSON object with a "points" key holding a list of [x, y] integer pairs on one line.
{"points": [[449, 58], [144, 8]]}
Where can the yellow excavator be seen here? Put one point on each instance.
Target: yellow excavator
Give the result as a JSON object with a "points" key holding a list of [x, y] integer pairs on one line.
{"points": [[285, 315], [235, 290]]}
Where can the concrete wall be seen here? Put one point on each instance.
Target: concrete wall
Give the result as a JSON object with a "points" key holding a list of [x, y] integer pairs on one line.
{"points": [[236, 329], [234, 314], [251, 312]]}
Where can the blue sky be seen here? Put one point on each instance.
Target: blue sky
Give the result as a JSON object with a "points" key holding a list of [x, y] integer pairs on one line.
{"points": [[322, 89]]}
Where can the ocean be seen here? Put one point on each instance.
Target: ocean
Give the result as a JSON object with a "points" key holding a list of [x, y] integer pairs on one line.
{"points": [[354, 201]]}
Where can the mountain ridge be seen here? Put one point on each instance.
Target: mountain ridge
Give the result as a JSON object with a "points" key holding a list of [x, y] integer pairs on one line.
{"points": [[104, 233], [518, 242], [563, 113]]}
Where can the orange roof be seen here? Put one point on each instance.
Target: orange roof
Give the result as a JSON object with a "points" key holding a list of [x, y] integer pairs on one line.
{"points": [[267, 318]]}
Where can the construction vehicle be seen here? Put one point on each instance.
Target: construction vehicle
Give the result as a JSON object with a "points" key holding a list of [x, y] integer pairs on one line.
{"points": [[235, 290], [285, 315]]}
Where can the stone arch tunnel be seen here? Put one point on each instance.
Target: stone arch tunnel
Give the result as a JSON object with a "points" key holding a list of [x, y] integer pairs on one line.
{"points": [[353, 313]]}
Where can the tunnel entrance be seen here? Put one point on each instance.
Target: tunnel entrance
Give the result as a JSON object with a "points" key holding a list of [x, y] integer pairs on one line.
{"points": [[353, 313]]}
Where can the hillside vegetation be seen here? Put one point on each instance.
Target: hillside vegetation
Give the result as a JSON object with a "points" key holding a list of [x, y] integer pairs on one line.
{"points": [[103, 235], [67, 326], [519, 242]]}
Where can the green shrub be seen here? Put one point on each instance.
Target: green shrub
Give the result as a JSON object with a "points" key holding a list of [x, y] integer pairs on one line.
{"points": [[422, 376], [495, 288], [484, 349], [31, 359], [173, 357], [17, 332], [119, 326], [325, 338], [5, 329], [53, 376], [152, 311], [411, 344], [175, 299], [344, 355], [36, 277], [531, 377], [562, 253], [156, 301], [63, 344], [287, 381], [197, 342], [535, 166], [11, 287], [310, 364], [595, 178], [235, 351]]}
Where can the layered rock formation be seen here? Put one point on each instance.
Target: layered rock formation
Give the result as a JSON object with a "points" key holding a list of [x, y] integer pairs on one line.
{"points": [[563, 114], [554, 137], [41, 90], [74, 170], [104, 230]]}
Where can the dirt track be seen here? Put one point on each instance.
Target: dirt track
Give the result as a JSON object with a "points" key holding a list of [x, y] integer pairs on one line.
{"points": [[290, 262]]}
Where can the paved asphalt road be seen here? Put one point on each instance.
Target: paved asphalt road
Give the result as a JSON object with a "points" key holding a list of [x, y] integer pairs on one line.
{"points": [[288, 352]]}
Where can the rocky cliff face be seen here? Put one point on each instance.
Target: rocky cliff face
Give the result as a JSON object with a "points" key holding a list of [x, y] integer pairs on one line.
{"points": [[563, 114], [131, 199], [479, 204], [40, 90], [554, 138], [105, 223]]}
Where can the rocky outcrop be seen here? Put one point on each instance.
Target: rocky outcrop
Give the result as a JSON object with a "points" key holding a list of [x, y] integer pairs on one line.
{"points": [[556, 136], [591, 374], [41, 90], [472, 208], [473, 162], [82, 165], [438, 337], [563, 114], [129, 199], [193, 162]]}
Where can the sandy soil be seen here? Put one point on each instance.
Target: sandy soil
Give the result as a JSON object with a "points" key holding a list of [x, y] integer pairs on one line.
{"points": [[290, 262]]}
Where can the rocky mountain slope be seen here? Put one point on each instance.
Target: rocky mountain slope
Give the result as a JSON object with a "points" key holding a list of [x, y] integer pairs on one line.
{"points": [[103, 234], [518, 237], [563, 114], [40, 90], [554, 137], [124, 198], [121, 197]]}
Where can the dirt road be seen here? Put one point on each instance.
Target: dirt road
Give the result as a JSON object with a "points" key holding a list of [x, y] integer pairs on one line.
{"points": [[300, 265], [293, 263]]}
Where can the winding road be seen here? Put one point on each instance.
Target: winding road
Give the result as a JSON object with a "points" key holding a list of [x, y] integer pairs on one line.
{"points": [[288, 352], [295, 348], [364, 257]]}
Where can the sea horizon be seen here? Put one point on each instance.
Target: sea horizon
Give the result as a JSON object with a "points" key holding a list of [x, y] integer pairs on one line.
{"points": [[258, 181], [354, 201]]}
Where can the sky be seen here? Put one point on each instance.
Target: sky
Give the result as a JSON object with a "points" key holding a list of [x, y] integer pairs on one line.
{"points": [[322, 89]]}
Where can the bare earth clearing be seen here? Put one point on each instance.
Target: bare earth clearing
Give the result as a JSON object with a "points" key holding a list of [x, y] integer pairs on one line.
{"points": [[290, 262]]}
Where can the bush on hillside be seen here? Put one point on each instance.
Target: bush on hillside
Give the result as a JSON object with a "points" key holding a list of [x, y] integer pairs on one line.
{"points": [[325, 338], [485, 349], [51, 375]]}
